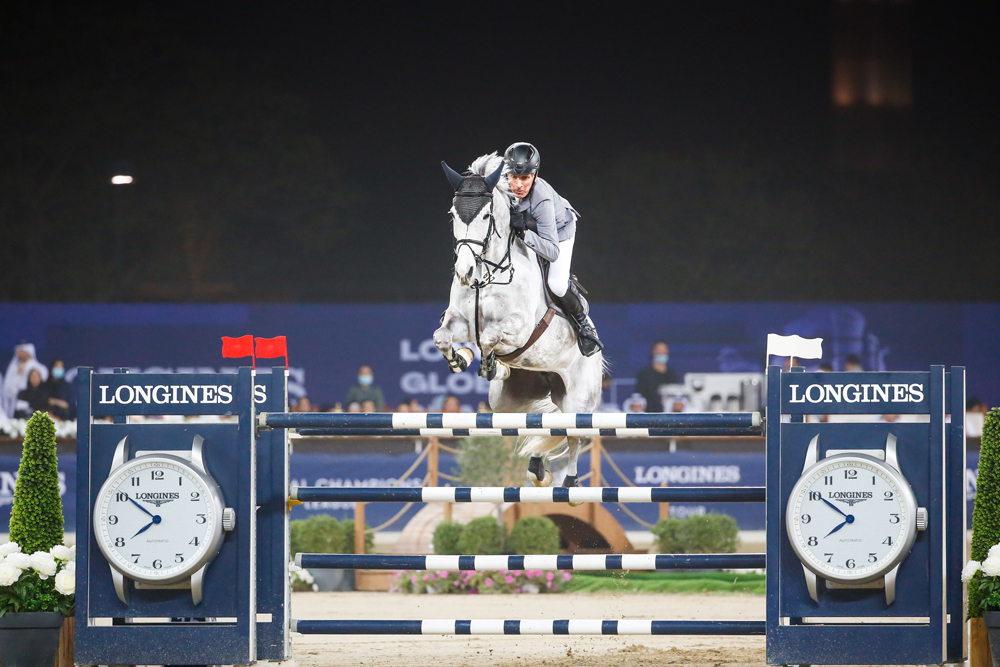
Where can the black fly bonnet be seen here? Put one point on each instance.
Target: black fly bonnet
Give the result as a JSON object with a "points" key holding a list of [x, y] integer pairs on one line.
{"points": [[471, 196], [472, 193]]}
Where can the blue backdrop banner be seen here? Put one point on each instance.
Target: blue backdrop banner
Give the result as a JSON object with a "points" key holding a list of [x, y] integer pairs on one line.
{"points": [[327, 343]]}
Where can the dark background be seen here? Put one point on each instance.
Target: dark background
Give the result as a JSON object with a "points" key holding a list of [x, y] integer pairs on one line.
{"points": [[717, 151]]}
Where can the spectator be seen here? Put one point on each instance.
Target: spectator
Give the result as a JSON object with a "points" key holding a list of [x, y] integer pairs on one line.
{"points": [[657, 374], [403, 407], [451, 404], [16, 378], [354, 406], [34, 397], [826, 367], [365, 390], [368, 405], [975, 415], [415, 405], [852, 364], [635, 403], [61, 400], [304, 405]]}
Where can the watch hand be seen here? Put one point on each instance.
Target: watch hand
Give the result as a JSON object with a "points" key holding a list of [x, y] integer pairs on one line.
{"points": [[827, 535], [146, 527], [156, 519], [835, 508], [151, 514]]}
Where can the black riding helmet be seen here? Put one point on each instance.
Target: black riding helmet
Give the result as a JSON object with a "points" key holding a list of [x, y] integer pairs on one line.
{"points": [[521, 158]]}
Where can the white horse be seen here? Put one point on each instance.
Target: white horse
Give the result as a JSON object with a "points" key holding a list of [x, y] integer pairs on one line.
{"points": [[498, 292]]}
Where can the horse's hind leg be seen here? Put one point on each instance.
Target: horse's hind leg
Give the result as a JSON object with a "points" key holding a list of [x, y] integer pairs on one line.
{"points": [[527, 391], [572, 474]]}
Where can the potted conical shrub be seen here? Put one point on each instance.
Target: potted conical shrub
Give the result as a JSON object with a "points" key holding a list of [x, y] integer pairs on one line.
{"points": [[37, 572], [983, 572]]}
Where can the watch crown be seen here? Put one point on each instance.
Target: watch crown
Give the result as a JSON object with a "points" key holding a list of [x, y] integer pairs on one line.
{"points": [[228, 519], [921, 518]]}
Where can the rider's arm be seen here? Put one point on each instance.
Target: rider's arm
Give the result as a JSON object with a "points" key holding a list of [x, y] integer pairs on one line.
{"points": [[544, 241]]}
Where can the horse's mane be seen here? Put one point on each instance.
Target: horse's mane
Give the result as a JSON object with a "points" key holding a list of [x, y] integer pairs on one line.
{"points": [[484, 165]]}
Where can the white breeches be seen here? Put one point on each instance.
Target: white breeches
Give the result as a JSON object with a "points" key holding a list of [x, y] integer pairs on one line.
{"points": [[559, 270]]}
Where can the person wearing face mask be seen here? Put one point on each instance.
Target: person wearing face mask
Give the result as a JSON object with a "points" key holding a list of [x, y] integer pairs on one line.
{"points": [[366, 390], [651, 378], [61, 403]]}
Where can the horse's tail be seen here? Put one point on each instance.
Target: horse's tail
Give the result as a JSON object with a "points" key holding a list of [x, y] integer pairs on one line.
{"points": [[541, 445]]}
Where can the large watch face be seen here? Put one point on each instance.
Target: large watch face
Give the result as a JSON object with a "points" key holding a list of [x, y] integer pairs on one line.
{"points": [[158, 519], [851, 518]]}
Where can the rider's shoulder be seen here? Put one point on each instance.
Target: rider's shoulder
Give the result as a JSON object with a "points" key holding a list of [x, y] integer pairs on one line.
{"points": [[541, 191]]}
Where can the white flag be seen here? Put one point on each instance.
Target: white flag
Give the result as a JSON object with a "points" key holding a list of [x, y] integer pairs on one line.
{"points": [[794, 346]]}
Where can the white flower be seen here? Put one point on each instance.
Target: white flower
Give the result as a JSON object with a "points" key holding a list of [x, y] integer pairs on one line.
{"points": [[991, 566], [69, 566], [970, 570], [66, 582], [9, 548], [61, 552], [8, 574], [44, 564], [18, 560], [994, 551]]}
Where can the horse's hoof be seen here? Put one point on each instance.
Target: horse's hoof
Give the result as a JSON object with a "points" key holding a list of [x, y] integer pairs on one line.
{"points": [[571, 482], [545, 481]]}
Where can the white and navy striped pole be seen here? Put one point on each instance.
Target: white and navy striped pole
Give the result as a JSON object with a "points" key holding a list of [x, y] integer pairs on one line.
{"points": [[518, 432], [747, 561], [746, 423], [530, 494], [488, 626]]}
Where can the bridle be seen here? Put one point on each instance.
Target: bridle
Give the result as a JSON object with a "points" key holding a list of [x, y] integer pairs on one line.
{"points": [[492, 271]]}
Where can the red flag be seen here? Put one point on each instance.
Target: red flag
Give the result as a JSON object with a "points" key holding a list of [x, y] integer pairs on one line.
{"points": [[269, 348], [237, 347]]}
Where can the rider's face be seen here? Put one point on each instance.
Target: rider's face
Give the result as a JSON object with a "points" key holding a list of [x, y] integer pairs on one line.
{"points": [[520, 184]]}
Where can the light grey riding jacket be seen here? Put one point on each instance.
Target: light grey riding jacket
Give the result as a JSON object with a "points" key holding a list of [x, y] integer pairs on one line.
{"points": [[554, 217]]}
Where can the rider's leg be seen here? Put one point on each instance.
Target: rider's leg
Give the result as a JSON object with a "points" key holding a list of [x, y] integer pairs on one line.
{"points": [[571, 300], [559, 270]]}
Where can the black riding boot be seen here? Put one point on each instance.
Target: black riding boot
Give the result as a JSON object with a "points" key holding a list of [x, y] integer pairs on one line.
{"points": [[575, 307]]}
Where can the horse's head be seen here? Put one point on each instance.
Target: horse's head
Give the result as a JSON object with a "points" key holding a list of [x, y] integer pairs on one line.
{"points": [[480, 220]]}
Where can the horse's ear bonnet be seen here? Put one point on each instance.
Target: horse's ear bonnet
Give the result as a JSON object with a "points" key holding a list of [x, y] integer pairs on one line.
{"points": [[472, 192]]}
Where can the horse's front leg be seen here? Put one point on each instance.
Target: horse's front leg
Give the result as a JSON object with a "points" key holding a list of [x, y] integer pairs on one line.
{"points": [[454, 328], [513, 331]]}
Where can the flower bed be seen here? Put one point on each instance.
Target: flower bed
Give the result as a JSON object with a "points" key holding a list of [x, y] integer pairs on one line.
{"points": [[485, 582]]}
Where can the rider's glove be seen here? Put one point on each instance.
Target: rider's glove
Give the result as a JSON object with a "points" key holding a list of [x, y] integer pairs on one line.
{"points": [[518, 222]]}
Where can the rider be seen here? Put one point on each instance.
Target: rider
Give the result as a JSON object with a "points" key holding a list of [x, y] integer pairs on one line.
{"points": [[546, 222]]}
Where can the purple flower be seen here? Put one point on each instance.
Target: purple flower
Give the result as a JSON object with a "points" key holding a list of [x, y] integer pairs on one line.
{"points": [[517, 573], [489, 581], [549, 576], [508, 579]]}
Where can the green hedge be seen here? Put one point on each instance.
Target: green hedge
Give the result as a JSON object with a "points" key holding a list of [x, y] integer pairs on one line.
{"points": [[446, 536], [321, 533], [986, 513], [699, 534], [534, 535], [482, 537]]}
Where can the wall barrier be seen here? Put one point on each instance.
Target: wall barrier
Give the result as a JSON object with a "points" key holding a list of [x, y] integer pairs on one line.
{"points": [[904, 607]]}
